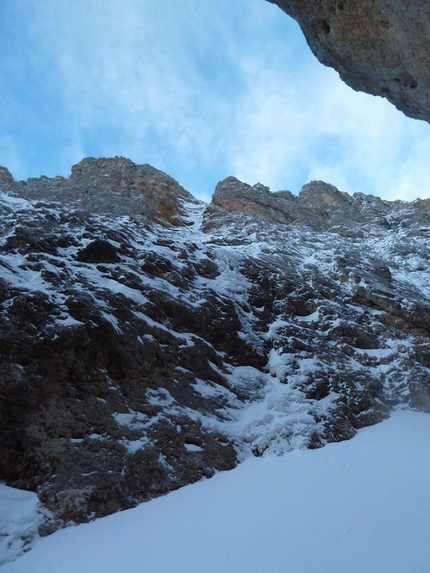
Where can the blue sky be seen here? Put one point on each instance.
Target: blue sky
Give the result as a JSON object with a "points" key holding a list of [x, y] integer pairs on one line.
{"points": [[200, 89]]}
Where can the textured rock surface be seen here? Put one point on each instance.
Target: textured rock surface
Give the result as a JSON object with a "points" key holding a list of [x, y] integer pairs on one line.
{"points": [[111, 186], [378, 46], [140, 352]]}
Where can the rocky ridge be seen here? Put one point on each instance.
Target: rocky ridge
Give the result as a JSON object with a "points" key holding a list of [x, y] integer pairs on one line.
{"points": [[377, 46], [149, 340]]}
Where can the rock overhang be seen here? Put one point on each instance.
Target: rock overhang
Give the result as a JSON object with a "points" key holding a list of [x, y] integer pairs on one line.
{"points": [[377, 46]]}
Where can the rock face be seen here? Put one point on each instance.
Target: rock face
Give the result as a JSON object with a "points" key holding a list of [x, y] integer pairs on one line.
{"points": [[149, 340], [111, 186], [377, 46]]}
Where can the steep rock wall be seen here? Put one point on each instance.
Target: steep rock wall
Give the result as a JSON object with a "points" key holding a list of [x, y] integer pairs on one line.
{"points": [[148, 340]]}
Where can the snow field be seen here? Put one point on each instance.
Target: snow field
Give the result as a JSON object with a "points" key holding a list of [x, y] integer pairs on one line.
{"points": [[360, 506], [20, 515]]}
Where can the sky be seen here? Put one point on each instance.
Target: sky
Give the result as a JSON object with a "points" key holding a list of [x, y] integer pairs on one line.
{"points": [[360, 506], [201, 89]]}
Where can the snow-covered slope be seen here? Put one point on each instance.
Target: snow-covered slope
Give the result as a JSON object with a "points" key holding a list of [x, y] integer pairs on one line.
{"points": [[360, 505], [149, 340]]}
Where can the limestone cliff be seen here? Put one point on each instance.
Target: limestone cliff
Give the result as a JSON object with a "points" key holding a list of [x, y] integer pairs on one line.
{"points": [[378, 46], [148, 340]]}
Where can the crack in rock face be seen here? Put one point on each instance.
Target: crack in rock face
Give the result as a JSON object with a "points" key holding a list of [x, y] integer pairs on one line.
{"points": [[377, 46], [149, 340]]}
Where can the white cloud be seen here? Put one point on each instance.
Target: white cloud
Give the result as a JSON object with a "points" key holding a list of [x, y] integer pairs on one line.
{"points": [[203, 90], [318, 128]]}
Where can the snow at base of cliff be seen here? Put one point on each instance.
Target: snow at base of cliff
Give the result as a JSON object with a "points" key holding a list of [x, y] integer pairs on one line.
{"points": [[352, 507]]}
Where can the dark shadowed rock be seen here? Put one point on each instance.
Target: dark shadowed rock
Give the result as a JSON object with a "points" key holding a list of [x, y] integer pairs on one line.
{"points": [[98, 251]]}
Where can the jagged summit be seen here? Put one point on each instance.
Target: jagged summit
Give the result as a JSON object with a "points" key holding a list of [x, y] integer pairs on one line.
{"points": [[319, 205], [118, 186], [115, 186]]}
